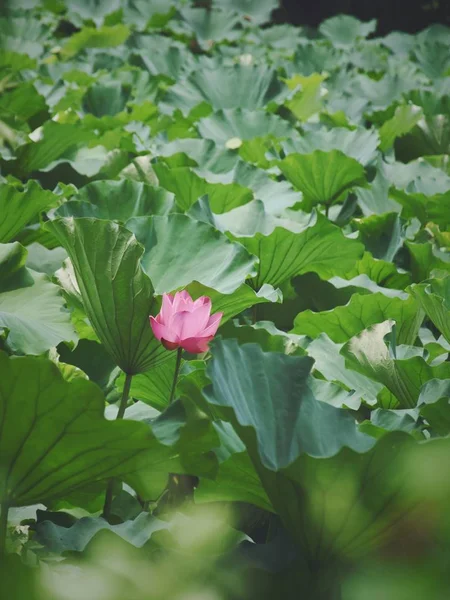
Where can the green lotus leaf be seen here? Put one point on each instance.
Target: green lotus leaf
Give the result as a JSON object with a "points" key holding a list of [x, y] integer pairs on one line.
{"points": [[90, 10], [250, 87], [418, 176], [105, 99], [55, 438], [399, 78], [360, 144], [21, 103], [179, 250], [322, 177], [313, 57], [281, 447], [256, 11], [188, 187], [331, 364], [107, 36], [383, 235], [344, 30], [44, 260], [60, 143], [144, 15], [12, 259], [343, 322], [275, 195], [283, 253], [210, 26], [154, 386], [237, 479], [32, 308], [18, 208], [58, 539], [430, 136], [307, 99], [248, 385], [117, 295], [117, 201], [434, 405], [240, 300], [433, 57], [434, 298], [161, 56], [404, 119], [369, 354], [242, 124]]}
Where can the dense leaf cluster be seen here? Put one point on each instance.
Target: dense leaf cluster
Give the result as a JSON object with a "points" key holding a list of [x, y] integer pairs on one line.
{"points": [[299, 179]]}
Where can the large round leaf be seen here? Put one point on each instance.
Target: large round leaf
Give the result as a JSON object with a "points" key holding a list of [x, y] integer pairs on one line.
{"points": [[348, 505], [283, 253], [369, 354], [31, 306], [117, 294], [143, 14], [423, 206], [106, 99], [239, 86], [60, 143], [54, 437], [242, 124], [431, 136], [19, 208], [334, 489], [210, 25], [434, 298], [233, 304], [313, 57], [35, 316], [188, 187], [331, 365], [404, 119], [268, 395], [360, 144], [256, 11], [344, 30], [276, 195], [307, 98], [161, 56], [179, 250], [343, 322], [59, 539], [322, 176], [117, 201], [107, 36], [90, 10]]}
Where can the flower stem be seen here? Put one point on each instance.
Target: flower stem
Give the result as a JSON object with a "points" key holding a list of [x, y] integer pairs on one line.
{"points": [[173, 490], [125, 396], [175, 375], [122, 408], [3, 526]]}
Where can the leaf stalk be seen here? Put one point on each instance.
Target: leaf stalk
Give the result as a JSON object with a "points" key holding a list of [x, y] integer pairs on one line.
{"points": [[120, 414]]}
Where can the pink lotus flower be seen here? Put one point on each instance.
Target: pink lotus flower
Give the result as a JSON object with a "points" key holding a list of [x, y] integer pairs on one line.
{"points": [[183, 323]]}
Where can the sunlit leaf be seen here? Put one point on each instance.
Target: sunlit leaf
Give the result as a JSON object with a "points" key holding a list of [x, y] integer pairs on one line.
{"points": [[322, 177], [179, 250]]}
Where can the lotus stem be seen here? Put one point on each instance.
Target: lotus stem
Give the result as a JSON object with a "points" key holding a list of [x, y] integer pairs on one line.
{"points": [[120, 414], [3, 527], [175, 375]]}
